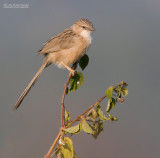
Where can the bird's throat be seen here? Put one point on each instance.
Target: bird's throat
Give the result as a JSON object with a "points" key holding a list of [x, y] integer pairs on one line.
{"points": [[87, 35]]}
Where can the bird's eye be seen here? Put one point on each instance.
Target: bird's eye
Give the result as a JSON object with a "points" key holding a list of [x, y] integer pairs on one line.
{"points": [[83, 27]]}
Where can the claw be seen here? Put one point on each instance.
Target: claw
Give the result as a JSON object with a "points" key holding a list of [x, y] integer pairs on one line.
{"points": [[73, 72]]}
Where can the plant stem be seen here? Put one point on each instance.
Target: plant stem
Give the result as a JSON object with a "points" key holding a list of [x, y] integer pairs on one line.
{"points": [[62, 114], [63, 96], [62, 101], [53, 145], [92, 106]]}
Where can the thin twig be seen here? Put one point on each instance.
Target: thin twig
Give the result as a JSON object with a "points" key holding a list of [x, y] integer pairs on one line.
{"points": [[54, 152], [53, 145], [62, 102], [63, 96], [92, 106]]}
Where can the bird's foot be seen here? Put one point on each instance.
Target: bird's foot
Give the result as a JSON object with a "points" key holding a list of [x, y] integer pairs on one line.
{"points": [[73, 72]]}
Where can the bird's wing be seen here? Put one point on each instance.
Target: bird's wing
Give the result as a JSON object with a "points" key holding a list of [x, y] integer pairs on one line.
{"points": [[64, 40]]}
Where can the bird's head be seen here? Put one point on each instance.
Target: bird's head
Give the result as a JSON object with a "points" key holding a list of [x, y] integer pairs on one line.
{"points": [[83, 27]]}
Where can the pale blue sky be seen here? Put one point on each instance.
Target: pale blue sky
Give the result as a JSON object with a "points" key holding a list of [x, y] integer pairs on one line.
{"points": [[126, 46]]}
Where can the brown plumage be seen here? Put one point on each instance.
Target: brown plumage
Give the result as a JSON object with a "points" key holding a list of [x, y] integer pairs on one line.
{"points": [[64, 40], [64, 49]]}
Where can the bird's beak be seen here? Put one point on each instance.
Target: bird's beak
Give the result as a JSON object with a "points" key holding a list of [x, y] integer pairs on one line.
{"points": [[93, 29]]}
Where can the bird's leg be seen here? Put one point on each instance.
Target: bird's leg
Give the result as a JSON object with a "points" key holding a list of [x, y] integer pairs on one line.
{"points": [[68, 68]]}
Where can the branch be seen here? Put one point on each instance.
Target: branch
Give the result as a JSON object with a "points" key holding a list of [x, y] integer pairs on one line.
{"points": [[92, 106], [62, 114], [48, 155], [53, 145], [63, 96], [62, 101]]}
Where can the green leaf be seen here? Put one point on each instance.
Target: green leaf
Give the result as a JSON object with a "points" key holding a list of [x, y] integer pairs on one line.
{"points": [[66, 151], [85, 126], [111, 104], [73, 130], [100, 113], [67, 116], [109, 92], [76, 81], [124, 91], [69, 142], [92, 114], [84, 61], [98, 128]]}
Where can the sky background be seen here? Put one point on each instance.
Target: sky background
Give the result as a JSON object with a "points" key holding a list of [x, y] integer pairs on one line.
{"points": [[126, 46]]}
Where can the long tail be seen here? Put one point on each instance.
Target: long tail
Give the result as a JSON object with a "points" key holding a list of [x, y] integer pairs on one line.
{"points": [[25, 92]]}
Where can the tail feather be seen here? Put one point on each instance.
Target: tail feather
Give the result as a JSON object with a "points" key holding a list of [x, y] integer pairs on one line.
{"points": [[25, 92]]}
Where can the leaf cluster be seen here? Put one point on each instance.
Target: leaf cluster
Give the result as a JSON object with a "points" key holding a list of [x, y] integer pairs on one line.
{"points": [[116, 94], [92, 121]]}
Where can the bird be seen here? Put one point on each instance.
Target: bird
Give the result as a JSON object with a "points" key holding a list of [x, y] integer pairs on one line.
{"points": [[63, 50]]}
